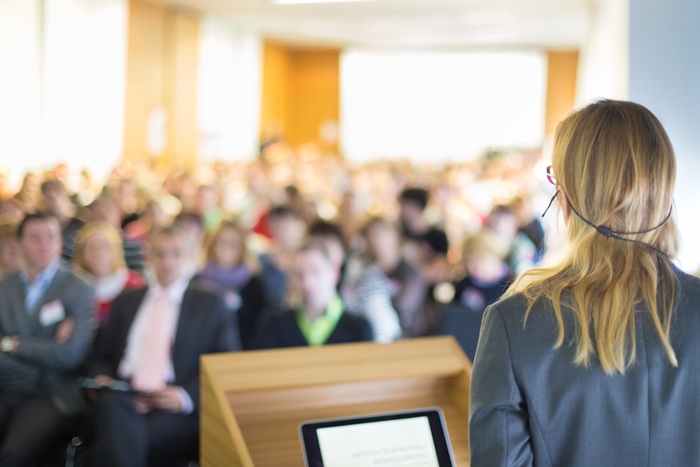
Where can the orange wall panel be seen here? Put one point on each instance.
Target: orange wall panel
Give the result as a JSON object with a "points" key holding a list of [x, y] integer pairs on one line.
{"points": [[561, 86], [161, 73], [301, 92]]}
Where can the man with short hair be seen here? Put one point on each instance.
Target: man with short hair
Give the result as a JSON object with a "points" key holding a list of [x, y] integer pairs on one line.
{"points": [[154, 339], [363, 287], [431, 242], [287, 230], [58, 204], [318, 316], [46, 316]]}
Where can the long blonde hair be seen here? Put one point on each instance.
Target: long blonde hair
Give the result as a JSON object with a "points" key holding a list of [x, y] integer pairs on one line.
{"points": [[617, 166]]}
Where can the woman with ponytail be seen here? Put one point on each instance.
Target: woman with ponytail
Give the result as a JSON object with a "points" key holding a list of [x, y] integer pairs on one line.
{"points": [[595, 360]]}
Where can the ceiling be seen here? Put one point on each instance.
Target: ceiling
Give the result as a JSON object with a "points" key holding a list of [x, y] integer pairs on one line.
{"points": [[409, 23]]}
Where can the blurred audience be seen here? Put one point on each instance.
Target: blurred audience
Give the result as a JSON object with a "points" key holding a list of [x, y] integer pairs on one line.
{"points": [[127, 201], [429, 243], [362, 286], [58, 204], [192, 225], [154, 339], [407, 288], [529, 224], [105, 210], [522, 254], [46, 316], [318, 316], [287, 230], [487, 273], [206, 206], [153, 219], [10, 256], [210, 284], [98, 251], [233, 271]]}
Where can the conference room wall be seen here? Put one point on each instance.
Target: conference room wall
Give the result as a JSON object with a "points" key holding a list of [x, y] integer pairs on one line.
{"points": [[161, 81], [301, 89]]}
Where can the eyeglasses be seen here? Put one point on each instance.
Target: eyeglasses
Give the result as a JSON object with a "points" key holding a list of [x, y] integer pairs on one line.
{"points": [[550, 176]]}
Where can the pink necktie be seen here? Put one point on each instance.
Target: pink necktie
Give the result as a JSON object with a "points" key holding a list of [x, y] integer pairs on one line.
{"points": [[152, 372]]}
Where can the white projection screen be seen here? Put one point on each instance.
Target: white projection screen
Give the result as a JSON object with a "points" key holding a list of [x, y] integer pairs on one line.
{"points": [[440, 105]]}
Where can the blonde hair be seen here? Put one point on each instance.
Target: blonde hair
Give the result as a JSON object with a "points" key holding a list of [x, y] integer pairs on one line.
{"points": [[486, 242], [108, 232], [617, 165]]}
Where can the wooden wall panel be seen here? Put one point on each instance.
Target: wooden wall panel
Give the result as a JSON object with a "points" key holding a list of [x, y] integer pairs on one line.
{"points": [[161, 73], [301, 91], [561, 86]]}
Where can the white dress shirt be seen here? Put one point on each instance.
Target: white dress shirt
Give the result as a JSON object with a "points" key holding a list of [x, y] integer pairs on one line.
{"points": [[135, 343]]}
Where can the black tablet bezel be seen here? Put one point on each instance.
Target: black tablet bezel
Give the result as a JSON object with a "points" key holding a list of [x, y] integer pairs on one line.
{"points": [[441, 439]]}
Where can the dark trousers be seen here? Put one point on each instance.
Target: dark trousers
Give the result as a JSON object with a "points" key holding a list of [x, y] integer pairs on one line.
{"points": [[29, 426], [127, 438]]}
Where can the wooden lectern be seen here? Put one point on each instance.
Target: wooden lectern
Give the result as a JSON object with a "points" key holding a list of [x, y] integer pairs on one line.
{"points": [[252, 402]]}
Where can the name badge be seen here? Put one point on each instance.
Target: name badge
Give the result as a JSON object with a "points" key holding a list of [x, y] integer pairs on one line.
{"points": [[52, 313]]}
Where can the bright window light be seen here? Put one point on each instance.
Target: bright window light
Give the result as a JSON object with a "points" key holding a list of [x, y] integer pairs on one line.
{"points": [[440, 105], [292, 2]]}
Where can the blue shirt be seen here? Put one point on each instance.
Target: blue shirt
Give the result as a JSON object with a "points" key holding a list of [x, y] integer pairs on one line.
{"points": [[34, 291]]}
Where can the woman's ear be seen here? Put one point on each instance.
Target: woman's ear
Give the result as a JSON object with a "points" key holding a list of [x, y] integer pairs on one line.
{"points": [[564, 204]]}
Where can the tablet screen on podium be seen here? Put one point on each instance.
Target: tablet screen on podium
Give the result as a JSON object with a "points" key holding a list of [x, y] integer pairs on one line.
{"points": [[406, 439]]}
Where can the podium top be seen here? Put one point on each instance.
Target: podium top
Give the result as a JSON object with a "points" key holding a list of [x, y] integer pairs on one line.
{"points": [[337, 364]]}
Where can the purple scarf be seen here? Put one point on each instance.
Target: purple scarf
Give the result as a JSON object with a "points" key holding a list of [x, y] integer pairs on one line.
{"points": [[234, 278]]}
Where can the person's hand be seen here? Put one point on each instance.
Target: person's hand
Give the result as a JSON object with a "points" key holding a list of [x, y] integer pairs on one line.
{"points": [[102, 380], [167, 400], [64, 331]]}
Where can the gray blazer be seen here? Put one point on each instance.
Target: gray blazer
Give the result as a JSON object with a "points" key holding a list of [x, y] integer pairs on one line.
{"points": [[38, 358], [530, 405]]}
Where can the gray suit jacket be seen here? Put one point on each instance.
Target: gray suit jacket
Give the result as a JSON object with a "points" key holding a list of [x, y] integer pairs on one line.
{"points": [[39, 361], [530, 405]]}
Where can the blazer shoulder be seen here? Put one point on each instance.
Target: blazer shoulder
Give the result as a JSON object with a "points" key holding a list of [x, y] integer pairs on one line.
{"points": [[73, 278], [129, 298], [11, 282], [201, 292]]}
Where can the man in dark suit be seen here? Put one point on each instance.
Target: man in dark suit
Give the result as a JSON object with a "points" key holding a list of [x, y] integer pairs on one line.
{"points": [[319, 317], [154, 338], [46, 316]]}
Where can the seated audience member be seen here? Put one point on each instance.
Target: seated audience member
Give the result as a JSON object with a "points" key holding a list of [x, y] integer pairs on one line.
{"points": [[46, 315], [287, 230], [193, 225], [105, 210], [430, 242], [521, 251], [58, 204], [10, 254], [408, 290], [154, 339], [362, 286], [318, 316], [98, 251], [529, 224], [153, 219], [231, 270], [487, 274], [206, 205], [488, 277], [12, 210], [127, 201]]}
